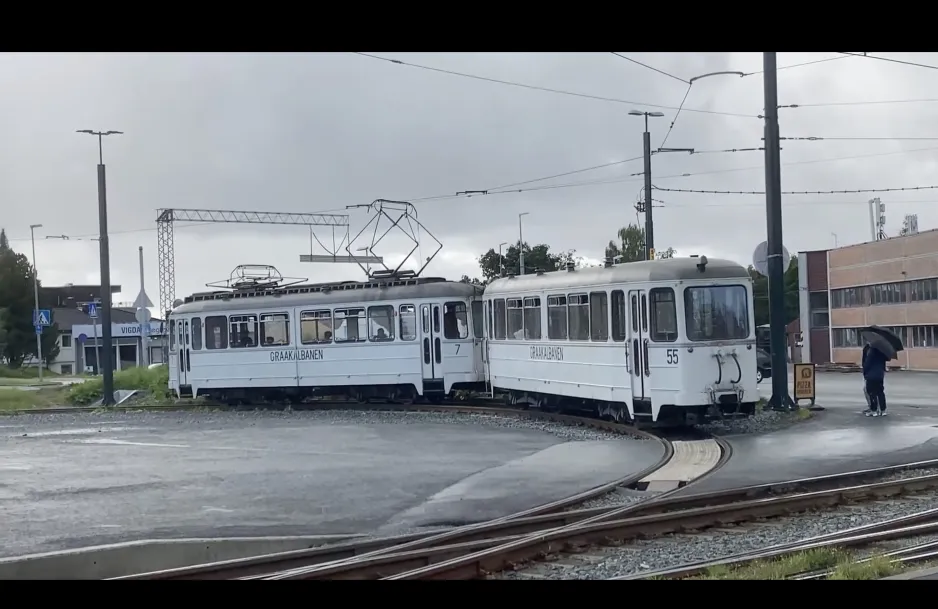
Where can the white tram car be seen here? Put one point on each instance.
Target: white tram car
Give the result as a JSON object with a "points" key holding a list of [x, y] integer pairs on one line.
{"points": [[667, 341], [385, 338]]}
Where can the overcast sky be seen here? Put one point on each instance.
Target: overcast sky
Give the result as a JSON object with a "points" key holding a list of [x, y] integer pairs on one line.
{"points": [[319, 132]]}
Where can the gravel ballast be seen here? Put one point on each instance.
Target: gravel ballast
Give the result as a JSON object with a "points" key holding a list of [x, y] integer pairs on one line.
{"points": [[711, 544], [764, 421]]}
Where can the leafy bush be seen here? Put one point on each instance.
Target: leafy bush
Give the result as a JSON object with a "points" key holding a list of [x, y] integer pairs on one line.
{"points": [[155, 381]]}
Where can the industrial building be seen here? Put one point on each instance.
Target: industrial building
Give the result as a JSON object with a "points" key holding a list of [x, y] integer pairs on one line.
{"points": [[890, 282]]}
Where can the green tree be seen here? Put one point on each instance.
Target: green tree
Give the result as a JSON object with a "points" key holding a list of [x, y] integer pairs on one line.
{"points": [[472, 281], [631, 246], [16, 298], [760, 294], [537, 257], [50, 344]]}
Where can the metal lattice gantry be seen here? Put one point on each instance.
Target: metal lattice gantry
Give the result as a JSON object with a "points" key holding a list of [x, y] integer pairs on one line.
{"points": [[165, 249]]}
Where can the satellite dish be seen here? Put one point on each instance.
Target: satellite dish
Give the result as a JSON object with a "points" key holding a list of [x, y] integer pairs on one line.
{"points": [[760, 259]]}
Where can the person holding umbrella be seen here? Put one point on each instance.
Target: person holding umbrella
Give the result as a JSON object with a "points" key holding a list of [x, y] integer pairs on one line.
{"points": [[882, 346]]}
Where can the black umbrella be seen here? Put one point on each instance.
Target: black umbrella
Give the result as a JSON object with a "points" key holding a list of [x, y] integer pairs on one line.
{"points": [[884, 341]]}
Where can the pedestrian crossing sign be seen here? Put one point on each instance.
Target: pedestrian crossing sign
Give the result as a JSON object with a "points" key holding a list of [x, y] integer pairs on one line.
{"points": [[41, 317]]}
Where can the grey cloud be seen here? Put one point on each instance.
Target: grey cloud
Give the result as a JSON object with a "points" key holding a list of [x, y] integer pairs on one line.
{"points": [[308, 132]]}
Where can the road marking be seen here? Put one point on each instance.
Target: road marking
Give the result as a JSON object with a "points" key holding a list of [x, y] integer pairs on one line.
{"points": [[208, 508], [77, 432], [127, 443]]}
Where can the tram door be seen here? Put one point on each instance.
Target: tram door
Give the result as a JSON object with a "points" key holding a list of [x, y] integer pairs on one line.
{"points": [[431, 332], [182, 340], [638, 343]]}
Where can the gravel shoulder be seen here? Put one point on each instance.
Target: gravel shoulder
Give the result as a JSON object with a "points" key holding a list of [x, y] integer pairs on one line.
{"points": [[604, 562]]}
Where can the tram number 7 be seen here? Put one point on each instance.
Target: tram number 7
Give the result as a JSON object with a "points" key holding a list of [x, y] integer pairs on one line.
{"points": [[672, 356]]}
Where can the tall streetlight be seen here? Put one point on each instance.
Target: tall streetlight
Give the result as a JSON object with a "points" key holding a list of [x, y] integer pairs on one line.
{"points": [[646, 138], [108, 371], [649, 221], [32, 237], [501, 261], [521, 241]]}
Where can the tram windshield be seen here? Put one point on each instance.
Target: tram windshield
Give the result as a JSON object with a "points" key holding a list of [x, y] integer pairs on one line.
{"points": [[716, 312]]}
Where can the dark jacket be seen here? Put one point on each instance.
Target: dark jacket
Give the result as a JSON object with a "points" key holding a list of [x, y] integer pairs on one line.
{"points": [[874, 364]]}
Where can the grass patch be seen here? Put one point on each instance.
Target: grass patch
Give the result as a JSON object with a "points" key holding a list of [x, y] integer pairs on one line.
{"points": [[12, 398], [782, 568], [837, 561], [155, 382], [23, 373], [875, 568], [803, 414], [33, 382]]}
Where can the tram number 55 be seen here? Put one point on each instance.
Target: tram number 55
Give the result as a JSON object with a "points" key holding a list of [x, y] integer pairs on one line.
{"points": [[672, 356]]}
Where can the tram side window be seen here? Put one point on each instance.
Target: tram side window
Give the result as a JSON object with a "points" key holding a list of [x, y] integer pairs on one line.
{"points": [[599, 316], [579, 307], [381, 324], [618, 315], [172, 334], [196, 333], [216, 332], [275, 329], [557, 317], [350, 326], [315, 327], [532, 318], [455, 320], [499, 319], [408, 322], [477, 319], [515, 319], [243, 331], [663, 315]]}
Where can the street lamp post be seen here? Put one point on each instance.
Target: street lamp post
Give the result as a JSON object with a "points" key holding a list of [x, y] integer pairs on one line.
{"points": [[501, 261], [649, 226], [32, 236], [521, 242], [108, 371]]}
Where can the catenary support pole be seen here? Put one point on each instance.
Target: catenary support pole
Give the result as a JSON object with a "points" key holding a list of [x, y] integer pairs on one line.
{"points": [[649, 221], [773, 206]]}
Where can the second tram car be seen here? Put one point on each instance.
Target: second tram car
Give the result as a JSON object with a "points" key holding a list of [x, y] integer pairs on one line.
{"points": [[667, 341], [388, 338]]}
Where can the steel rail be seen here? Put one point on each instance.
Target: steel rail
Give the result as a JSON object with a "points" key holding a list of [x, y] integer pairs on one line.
{"points": [[597, 529], [322, 562], [237, 568]]}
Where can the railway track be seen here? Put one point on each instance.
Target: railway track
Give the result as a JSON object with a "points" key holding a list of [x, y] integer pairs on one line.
{"points": [[480, 550], [685, 445], [866, 539]]}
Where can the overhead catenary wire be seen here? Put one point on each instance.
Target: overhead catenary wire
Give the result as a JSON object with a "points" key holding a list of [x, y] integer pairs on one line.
{"points": [[813, 138], [645, 65], [676, 115], [797, 192], [798, 65], [551, 90], [891, 60]]}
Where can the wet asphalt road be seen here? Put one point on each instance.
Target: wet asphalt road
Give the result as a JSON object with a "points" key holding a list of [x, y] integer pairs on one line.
{"points": [[839, 439], [70, 481]]}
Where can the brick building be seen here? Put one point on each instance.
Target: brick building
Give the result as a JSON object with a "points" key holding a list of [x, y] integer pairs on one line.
{"points": [[891, 282]]}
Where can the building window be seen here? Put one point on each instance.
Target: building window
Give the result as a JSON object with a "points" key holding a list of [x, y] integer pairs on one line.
{"points": [[820, 319], [818, 300], [924, 337], [66, 341]]}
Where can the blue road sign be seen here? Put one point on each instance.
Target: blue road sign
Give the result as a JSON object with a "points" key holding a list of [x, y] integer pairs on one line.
{"points": [[82, 338], [38, 329], [42, 317], [92, 310]]}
